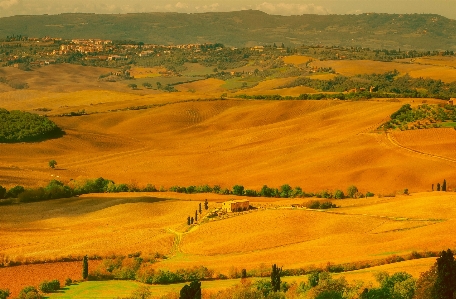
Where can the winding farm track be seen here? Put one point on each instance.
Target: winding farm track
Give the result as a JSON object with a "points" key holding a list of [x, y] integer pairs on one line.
{"points": [[397, 144]]}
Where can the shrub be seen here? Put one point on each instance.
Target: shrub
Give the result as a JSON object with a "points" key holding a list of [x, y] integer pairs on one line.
{"points": [[15, 191], [29, 292], [351, 191], [238, 190], [369, 194], [4, 294], [68, 281], [49, 286], [339, 194]]}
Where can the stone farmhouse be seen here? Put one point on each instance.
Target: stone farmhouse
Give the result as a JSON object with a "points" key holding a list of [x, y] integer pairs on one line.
{"points": [[235, 205]]}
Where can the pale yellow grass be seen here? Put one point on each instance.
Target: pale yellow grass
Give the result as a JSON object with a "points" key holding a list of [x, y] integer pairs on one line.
{"points": [[146, 72], [437, 60], [208, 86], [323, 77], [297, 59], [270, 87]]}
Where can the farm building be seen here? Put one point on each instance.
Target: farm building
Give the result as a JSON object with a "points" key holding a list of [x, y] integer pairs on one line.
{"points": [[452, 101], [235, 205]]}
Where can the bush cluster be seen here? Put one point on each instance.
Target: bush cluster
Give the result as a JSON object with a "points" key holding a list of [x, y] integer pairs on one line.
{"points": [[143, 270], [18, 126], [317, 204], [49, 286], [421, 117]]}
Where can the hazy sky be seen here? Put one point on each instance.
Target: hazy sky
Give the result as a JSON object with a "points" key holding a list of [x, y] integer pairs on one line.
{"points": [[282, 7]]}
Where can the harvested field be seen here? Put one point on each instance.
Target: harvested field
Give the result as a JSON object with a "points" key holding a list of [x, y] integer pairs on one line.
{"points": [[297, 59], [92, 226], [208, 86], [363, 230], [183, 143], [440, 141]]}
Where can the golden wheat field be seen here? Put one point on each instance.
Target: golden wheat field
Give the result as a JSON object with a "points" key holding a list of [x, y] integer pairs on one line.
{"points": [[194, 137], [360, 230], [313, 144]]}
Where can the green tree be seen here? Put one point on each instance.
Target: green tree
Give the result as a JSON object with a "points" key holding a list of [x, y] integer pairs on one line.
{"points": [[238, 190], [133, 86], [2, 192], [85, 267], [4, 294], [147, 85], [445, 284], [52, 164], [275, 278], [444, 187], [244, 273], [286, 191], [159, 85], [351, 191], [339, 194], [192, 291], [15, 191]]}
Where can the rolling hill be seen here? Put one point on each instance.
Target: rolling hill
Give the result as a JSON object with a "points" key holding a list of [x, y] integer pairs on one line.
{"points": [[246, 28]]}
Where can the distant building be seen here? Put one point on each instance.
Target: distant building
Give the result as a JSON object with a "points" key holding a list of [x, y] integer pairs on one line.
{"points": [[235, 205], [452, 101]]}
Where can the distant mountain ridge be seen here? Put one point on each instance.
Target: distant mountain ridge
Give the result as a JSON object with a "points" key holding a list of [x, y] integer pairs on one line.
{"points": [[246, 28]]}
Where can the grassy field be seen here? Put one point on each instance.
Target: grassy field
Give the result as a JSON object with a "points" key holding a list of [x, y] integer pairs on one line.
{"points": [[109, 289], [96, 289]]}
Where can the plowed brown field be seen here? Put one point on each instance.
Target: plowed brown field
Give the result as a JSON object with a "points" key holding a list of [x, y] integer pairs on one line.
{"points": [[17, 278]]}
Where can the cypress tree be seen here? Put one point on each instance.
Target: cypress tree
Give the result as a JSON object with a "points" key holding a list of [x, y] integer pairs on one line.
{"points": [[191, 292], [188, 220], [200, 209], [445, 284], [206, 204], [275, 278], [438, 186], [444, 185], [85, 267], [196, 215]]}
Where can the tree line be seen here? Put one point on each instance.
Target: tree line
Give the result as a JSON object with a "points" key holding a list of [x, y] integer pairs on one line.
{"points": [[57, 189], [386, 83]]}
